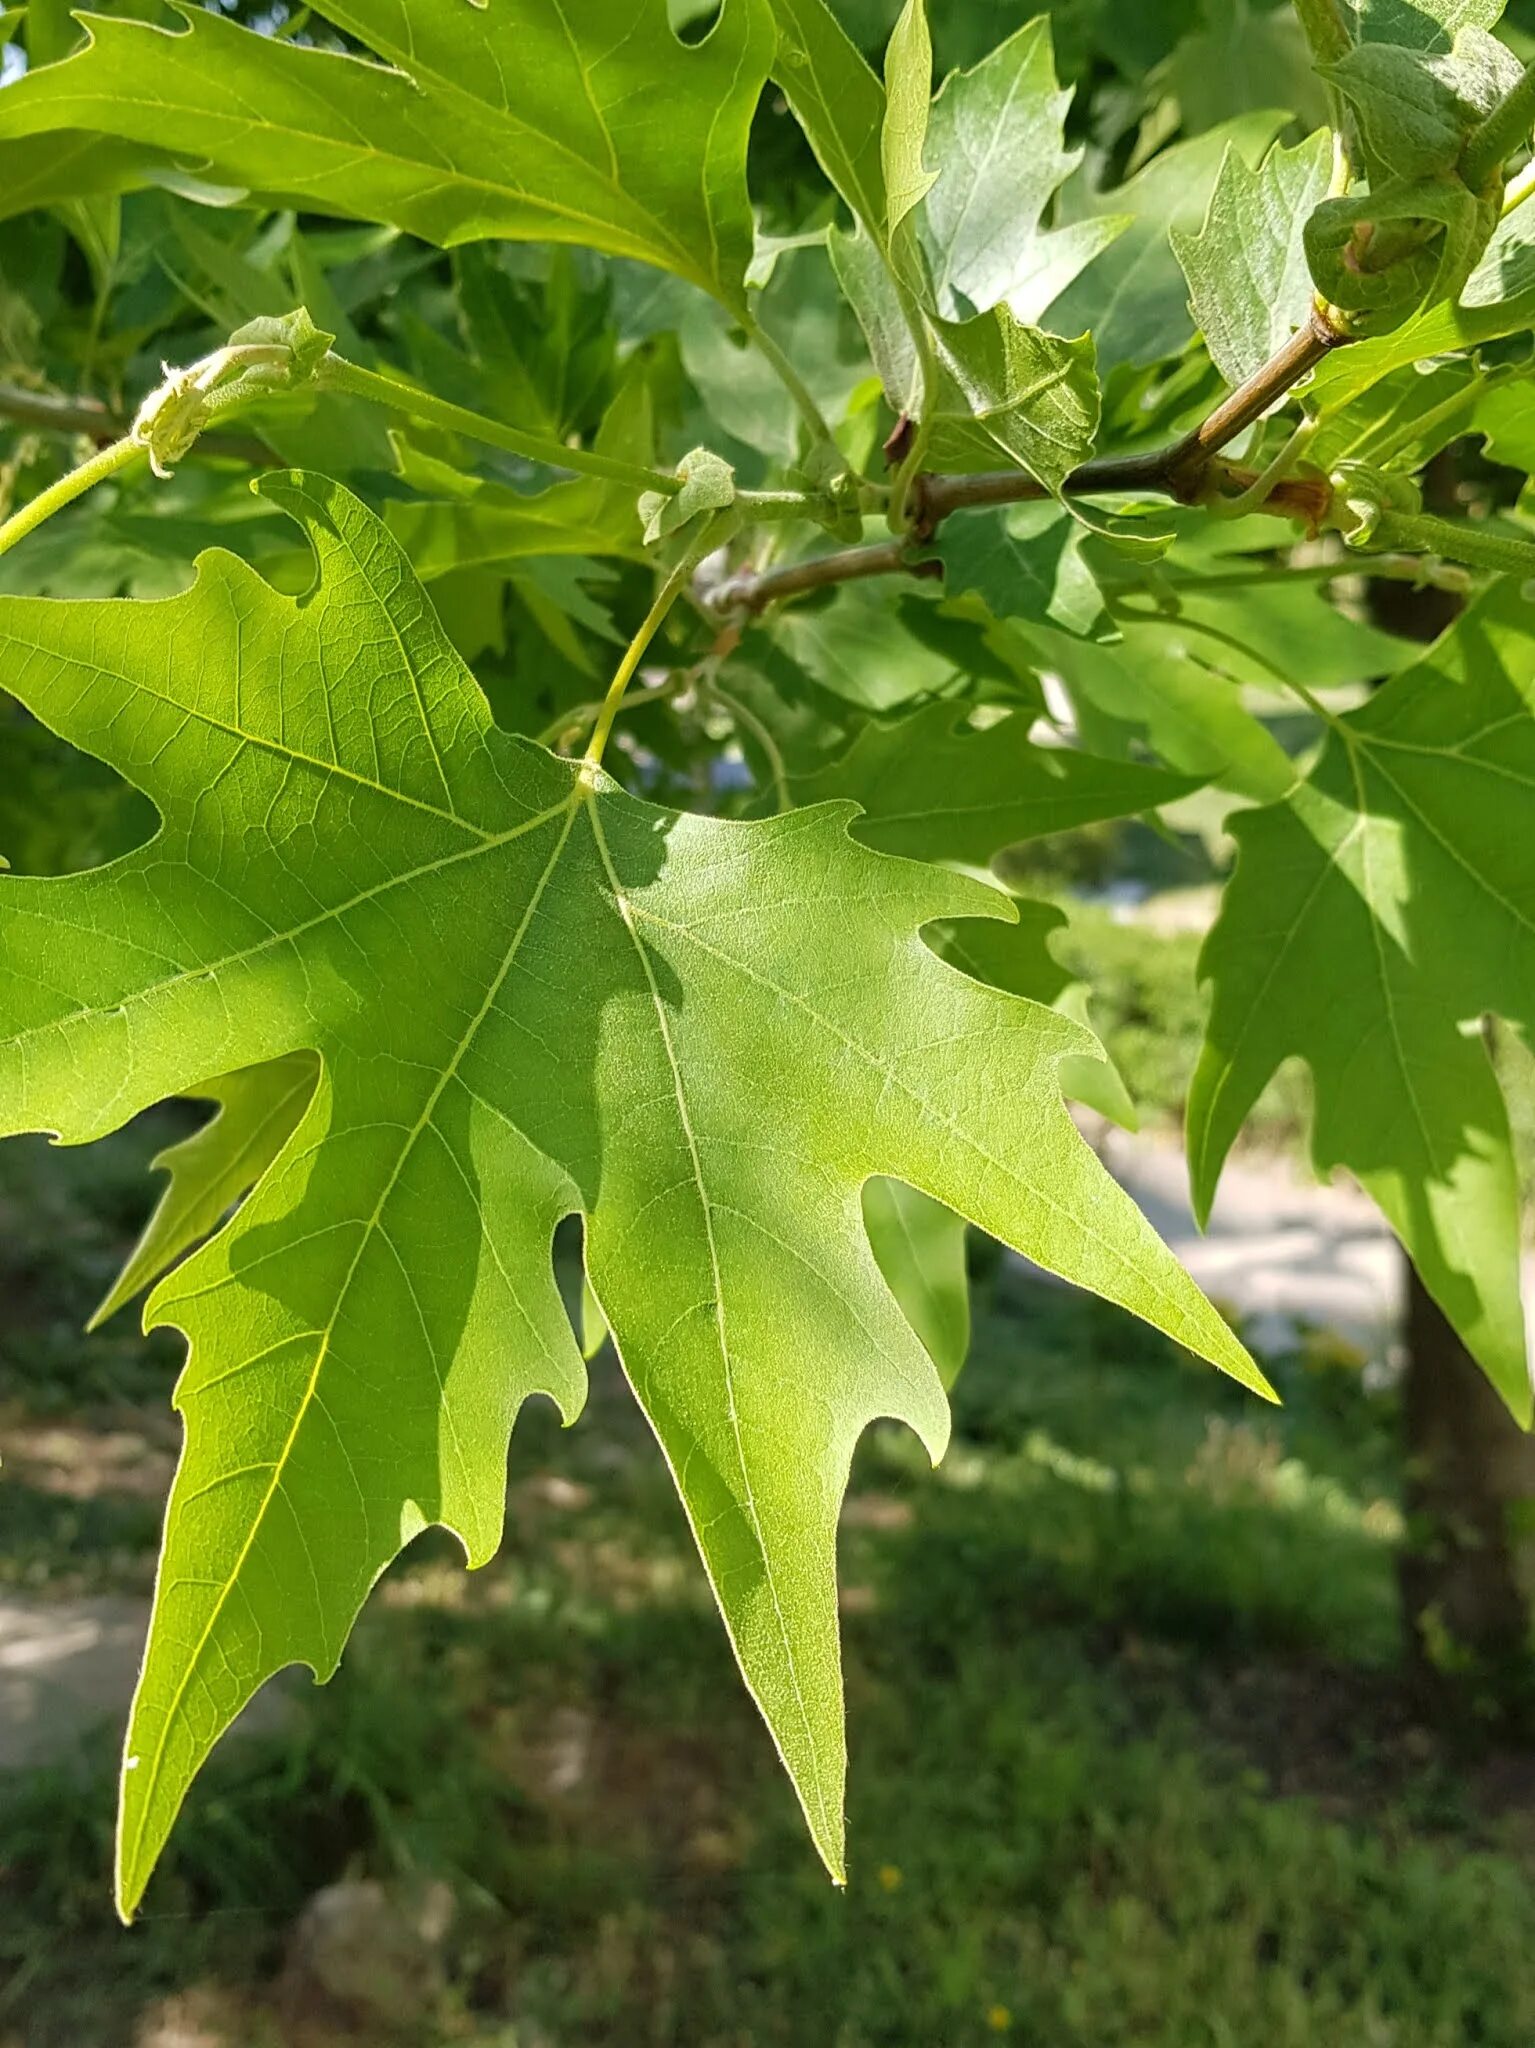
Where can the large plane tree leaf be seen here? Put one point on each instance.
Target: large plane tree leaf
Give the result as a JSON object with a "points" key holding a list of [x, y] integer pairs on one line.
{"points": [[530, 995], [1375, 916], [536, 120]]}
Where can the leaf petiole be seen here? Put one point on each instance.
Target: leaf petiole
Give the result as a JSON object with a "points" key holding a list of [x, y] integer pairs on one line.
{"points": [[1257, 494], [1424, 571], [106, 462], [1456, 539], [904, 489], [791, 380], [673, 588], [335, 373], [1519, 188]]}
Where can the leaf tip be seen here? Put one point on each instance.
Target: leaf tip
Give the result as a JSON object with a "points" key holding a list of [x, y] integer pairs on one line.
{"points": [[129, 1873]]}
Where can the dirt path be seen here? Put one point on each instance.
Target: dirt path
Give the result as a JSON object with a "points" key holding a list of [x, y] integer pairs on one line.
{"points": [[1282, 1251]]}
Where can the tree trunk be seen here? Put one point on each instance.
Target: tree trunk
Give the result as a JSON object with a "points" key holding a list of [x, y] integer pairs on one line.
{"points": [[1467, 1567]]}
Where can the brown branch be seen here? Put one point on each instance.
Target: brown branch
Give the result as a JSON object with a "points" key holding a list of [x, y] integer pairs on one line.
{"points": [[1304, 498], [937, 496], [60, 415], [1188, 472], [746, 592], [1250, 401]]}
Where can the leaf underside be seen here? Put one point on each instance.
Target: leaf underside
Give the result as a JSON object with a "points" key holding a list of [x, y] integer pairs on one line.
{"points": [[530, 995]]}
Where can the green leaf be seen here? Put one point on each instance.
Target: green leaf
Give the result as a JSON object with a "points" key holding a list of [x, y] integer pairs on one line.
{"points": [[871, 291], [51, 31], [1405, 419], [529, 121], [52, 169], [1268, 632], [1412, 121], [1498, 300], [1424, 24], [933, 787], [1419, 232], [543, 353], [859, 648], [1175, 674], [1423, 239], [1132, 298], [708, 485], [462, 522], [531, 995], [742, 393], [919, 1246], [1156, 681], [989, 655], [908, 102], [65, 171], [1013, 397], [998, 139], [1373, 918], [307, 344], [1504, 414], [257, 1112], [838, 102], [1018, 958], [1247, 54], [1008, 396], [1249, 282], [1024, 562]]}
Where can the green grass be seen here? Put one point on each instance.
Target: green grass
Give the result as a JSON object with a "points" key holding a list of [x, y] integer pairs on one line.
{"points": [[1131, 1762]]}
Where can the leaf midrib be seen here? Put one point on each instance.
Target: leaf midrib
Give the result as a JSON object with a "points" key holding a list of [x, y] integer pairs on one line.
{"points": [[628, 913]]}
